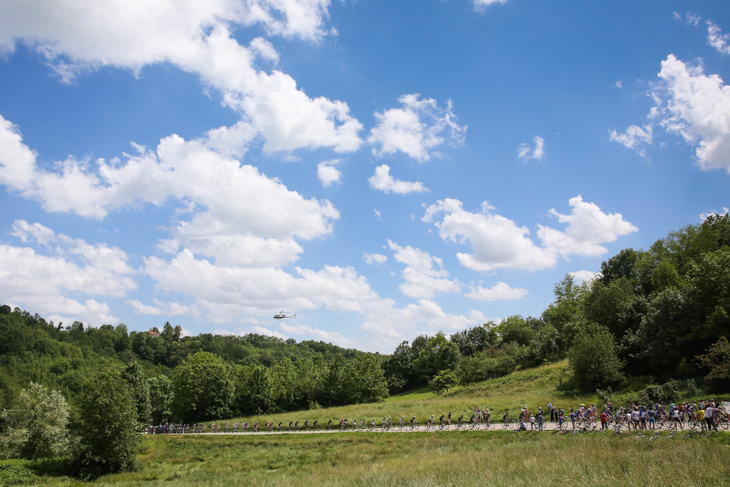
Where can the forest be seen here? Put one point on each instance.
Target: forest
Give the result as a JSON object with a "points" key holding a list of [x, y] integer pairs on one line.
{"points": [[648, 317]]}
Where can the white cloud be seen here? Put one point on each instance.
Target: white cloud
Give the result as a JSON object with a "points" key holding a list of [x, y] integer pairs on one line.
{"points": [[422, 280], [704, 216], [160, 308], [77, 36], [584, 276], [499, 291], [697, 107], [52, 283], [225, 293], [526, 153], [588, 227], [374, 259], [317, 334], [715, 38], [327, 173], [386, 326], [481, 5], [693, 105], [240, 215], [383, 181], [265, 331], [635, 138], [498, 243], [416, 129]]}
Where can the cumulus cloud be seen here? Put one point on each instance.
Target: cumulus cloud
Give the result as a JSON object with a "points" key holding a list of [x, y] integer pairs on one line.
{"points": [[51, 270], [537, 151], [327, 173], [692, 105], [584, 276], [424, 275], [498, 243], [383, 181], [416, 128], [225, 293], [498, 292], [697, 107], [240, 215], [77, 36], [634, 138], [587, 228], [387, 325]]}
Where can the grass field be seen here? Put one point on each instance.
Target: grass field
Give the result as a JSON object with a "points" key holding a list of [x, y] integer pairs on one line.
{"points": [[426, 459]]}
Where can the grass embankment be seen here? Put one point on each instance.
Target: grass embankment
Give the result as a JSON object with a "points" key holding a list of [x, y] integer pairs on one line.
{"points": [[427, 459], [531, 388]]}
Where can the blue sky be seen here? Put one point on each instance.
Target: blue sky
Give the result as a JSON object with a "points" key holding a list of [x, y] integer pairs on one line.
{"points": [[382, 169]]}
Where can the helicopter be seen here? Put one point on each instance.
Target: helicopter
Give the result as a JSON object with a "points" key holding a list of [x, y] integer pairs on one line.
{"points": [[281, 315]]}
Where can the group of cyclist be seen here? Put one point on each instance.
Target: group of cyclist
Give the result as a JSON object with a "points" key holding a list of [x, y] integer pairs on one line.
{"points": [[705, 415]]}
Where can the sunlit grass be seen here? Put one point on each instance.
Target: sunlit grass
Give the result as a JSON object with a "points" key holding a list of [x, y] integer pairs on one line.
{"points": [[531, 388], [418, 459]]}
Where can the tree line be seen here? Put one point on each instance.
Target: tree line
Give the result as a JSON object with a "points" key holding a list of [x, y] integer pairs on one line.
{"points": [[648, 316]]}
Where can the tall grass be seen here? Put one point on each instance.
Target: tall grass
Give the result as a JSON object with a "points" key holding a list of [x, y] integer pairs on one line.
{"points": [[428, 459]]}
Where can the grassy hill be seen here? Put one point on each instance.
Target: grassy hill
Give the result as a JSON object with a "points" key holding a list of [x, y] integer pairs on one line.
{"points": [[528, 388]]}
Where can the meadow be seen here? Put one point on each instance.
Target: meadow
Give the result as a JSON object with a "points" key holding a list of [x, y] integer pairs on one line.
{"points": [[423, 459]]}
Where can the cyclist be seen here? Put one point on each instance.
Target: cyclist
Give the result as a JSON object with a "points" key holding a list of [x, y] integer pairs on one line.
{"points": [[449, 417], [441, 420], [487, 416], [461, 421], [316, 424], [402, 421], [329, 424], [413, 420], [430, 420]]}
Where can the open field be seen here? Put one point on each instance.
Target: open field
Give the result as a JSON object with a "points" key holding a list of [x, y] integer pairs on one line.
{"points": [[427, 459]]}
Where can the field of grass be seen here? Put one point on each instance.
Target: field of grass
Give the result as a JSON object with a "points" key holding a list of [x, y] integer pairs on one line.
{"points": [[426, 459], [531, 388]]}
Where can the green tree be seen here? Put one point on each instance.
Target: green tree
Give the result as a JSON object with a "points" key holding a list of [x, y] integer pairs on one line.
{"points": [[716, 360], [38, 426], [108, 439], [253, 390], [593, 358], [566, 313], [365, 380], [438, 354], [443, 381], [133, 375], [203, 388], [160, 399]]}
